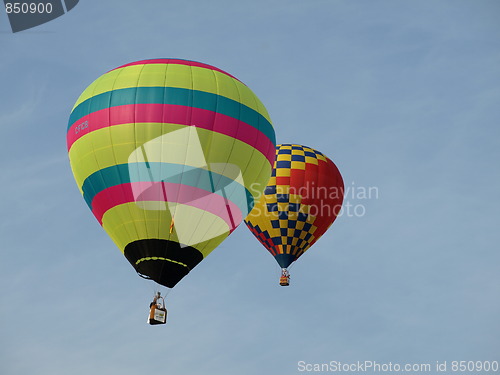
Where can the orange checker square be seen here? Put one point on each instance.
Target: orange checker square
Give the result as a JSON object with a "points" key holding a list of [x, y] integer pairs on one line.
{"points": [[294, 198], [310, 219], [284, 157], [298, 165], [272, 181], [321, 157], [299, 225], [304, 208], [296, 151], [283, 207], [286, 247], [274, 232], [311, 160], [282, 172]]}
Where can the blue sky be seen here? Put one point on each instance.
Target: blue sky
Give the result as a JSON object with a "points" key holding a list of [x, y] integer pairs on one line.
{"points": [[402, 95]]}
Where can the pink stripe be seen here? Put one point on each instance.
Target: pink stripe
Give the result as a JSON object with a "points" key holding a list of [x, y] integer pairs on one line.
{"points": [[176, 114], [176, 61], [147, 191]]}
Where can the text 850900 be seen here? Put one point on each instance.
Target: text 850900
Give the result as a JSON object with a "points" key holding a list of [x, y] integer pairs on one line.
{"points": [[28, 8]]}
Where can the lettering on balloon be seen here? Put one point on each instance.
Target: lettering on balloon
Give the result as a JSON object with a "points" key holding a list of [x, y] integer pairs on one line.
{"points": [[82, 126]]}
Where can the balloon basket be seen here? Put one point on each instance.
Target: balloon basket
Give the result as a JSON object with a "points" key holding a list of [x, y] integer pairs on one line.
{"points": [[157, 312], [157, 316], [284, 281]]}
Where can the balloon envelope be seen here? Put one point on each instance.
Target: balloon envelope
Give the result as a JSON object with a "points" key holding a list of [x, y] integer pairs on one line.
{"points": [[169, 156], [302, 199]]}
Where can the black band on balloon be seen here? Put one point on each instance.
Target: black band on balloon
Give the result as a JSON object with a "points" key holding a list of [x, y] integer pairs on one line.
{"points": [[163, 261]]}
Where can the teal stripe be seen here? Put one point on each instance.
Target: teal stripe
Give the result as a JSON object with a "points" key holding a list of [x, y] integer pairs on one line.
{"points": [[175, 173], [178, 96]]}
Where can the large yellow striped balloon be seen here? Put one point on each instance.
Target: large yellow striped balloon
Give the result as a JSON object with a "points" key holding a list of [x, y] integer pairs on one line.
{"points": [[169, 155]]}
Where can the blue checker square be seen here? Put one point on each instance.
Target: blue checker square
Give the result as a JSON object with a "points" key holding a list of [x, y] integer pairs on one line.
{"points": [[283, 164], [283, 215], [308, 153], [302, 217], [298, 158], [286, 152], [307, 227], [294, 207], [297, 233], [297, 148], [270, 190], [277, 240], [284, 231], [272, 207], [275, 223], [292, 223], [289, 240], [282, 198], [307, 237]]}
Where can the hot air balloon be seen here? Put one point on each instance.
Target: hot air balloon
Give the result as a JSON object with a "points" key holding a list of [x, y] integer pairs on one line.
{"points": [[169, 155], [301, 201]]}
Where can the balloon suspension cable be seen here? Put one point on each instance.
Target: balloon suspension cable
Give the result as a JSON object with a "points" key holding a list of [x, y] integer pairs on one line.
{"points": [[159, 300], [284, 272], [164, 293], [167, 291]]}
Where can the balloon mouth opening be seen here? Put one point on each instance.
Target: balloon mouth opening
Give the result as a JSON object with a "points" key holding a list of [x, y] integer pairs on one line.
{"points": [[284, 260], [163, 261]]}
